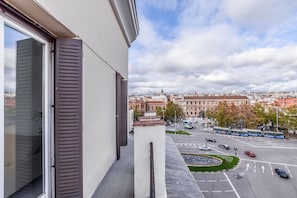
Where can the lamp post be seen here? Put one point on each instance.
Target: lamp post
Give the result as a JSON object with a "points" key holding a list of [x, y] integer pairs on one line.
{"points": [[277, 119]]}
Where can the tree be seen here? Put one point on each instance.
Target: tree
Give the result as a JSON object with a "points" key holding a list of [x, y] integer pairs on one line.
{"points": [[170, 111], [136, 114], [222, 115]]}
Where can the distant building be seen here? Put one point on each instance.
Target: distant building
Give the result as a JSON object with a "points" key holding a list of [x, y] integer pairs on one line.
{"points": [[196, 106], [286, 102]]}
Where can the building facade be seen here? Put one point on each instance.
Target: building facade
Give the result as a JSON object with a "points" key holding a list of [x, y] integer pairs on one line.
{"points": [[286, 102], [63, 94], [195, 106]]}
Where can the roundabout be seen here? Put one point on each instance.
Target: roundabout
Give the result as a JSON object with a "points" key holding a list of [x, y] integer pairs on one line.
{"points": [[209, 163]]}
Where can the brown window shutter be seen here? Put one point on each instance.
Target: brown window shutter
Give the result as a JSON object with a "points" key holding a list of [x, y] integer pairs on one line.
{"points": [[68, 118], [118, 114], [124, 112]]}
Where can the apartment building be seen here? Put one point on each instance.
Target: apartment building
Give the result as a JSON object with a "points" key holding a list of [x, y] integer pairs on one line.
{"points": [[195, 106], [59, 134], [286, 102]]}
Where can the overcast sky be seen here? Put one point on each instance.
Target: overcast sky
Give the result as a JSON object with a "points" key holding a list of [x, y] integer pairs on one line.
{"points": [[214, 46]]}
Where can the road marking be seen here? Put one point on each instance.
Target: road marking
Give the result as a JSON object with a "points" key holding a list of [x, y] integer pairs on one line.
{"points": [[289, 171], [216, 191], [236, 193], [255, 167], [268, 147], [211, 180], [247, 166], [229, 190], [204, 191], [267, 162], [263, 168], [223, 180], [271, 168], [200, 180]]}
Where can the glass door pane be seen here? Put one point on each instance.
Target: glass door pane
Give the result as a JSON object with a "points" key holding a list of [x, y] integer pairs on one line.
{"points": [[23, 105]]}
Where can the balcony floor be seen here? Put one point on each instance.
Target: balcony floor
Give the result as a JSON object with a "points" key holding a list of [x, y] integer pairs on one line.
{"points": [[119, 181]]}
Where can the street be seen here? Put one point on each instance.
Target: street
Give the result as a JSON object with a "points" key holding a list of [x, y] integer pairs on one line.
{"points": [[253, 177]]}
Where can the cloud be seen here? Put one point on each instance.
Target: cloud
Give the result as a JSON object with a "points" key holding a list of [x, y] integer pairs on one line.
{"points": [[259, 15], [211, 49], [9, 69]]}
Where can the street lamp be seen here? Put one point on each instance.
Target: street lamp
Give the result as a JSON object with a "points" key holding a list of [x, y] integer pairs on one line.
{"points": [[277, 119]]}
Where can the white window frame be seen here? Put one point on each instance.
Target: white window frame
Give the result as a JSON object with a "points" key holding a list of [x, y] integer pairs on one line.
{"points": [[47, 78]]}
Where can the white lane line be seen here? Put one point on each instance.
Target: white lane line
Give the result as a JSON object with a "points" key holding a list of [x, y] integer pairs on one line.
{"points": [[289, 171], [271, 168], [204, 191], [211, 180], [217, 191], [244, 142], [200, 180], [229, 190], [268, 147], [255, 167], [236, 193], [223, 180], [267, 162]]}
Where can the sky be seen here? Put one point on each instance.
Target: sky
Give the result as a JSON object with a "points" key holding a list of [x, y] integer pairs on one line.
{"points": [[214, 46]]}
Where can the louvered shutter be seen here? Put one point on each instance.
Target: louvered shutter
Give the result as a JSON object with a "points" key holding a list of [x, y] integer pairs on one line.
{"points": [[124, 112], [68, 118], [118, 114]]}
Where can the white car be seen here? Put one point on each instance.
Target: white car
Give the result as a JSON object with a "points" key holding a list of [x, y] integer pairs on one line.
{"points": [[188, 126], [204, 148]]}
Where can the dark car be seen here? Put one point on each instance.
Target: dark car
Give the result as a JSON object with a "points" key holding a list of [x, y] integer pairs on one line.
{"points": [[210, 140], [282, 173], [224, 146], [250, 153]]}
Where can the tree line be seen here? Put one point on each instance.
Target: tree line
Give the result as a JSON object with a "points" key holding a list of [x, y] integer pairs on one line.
{"points": [[254, 116]]}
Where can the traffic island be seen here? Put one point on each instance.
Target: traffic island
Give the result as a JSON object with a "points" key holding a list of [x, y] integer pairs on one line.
{"points": [[210, 163]]}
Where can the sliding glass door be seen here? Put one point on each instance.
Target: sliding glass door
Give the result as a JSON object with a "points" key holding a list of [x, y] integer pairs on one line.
{"points": [[25, 117]]}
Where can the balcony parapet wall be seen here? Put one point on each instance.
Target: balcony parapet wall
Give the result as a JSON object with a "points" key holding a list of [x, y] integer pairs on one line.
{"points": [[147, 130]]}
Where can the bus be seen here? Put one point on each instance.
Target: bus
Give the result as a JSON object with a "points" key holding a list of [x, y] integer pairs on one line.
{"points": [[239, 132], [221, 130], [254, 132], [273, 134]]}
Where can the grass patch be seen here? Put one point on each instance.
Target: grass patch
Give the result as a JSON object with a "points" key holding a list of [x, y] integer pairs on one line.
{"points": [[179, 132], [228, 162]]}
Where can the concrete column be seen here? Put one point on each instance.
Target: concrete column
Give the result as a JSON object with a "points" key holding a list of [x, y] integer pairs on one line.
{"points": [[147, 130]]}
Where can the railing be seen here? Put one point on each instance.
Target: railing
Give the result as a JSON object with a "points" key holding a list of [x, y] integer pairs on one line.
{"points": [[152, 172]]}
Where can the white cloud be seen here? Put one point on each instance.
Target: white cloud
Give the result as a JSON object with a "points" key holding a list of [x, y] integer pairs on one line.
{"points": [[259, 15], [210, 53]]}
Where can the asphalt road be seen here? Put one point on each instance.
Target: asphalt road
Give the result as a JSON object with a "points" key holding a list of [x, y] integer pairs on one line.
{"points": [[253, 177]]}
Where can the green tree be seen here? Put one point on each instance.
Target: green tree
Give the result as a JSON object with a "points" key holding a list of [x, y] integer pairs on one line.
{"points": [[170, 111], [222, 115], [136, 114]]}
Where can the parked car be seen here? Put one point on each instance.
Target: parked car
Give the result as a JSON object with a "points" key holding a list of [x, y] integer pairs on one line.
{"points": [[188, 126], [224, 146], [210, 140], [204, 148], [250, 153], [282, 173]]}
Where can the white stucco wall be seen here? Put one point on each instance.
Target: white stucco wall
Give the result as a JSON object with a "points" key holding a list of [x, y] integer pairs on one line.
{"points": [[88, 20], [105, 52], [143, 135], [99, 129]]}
